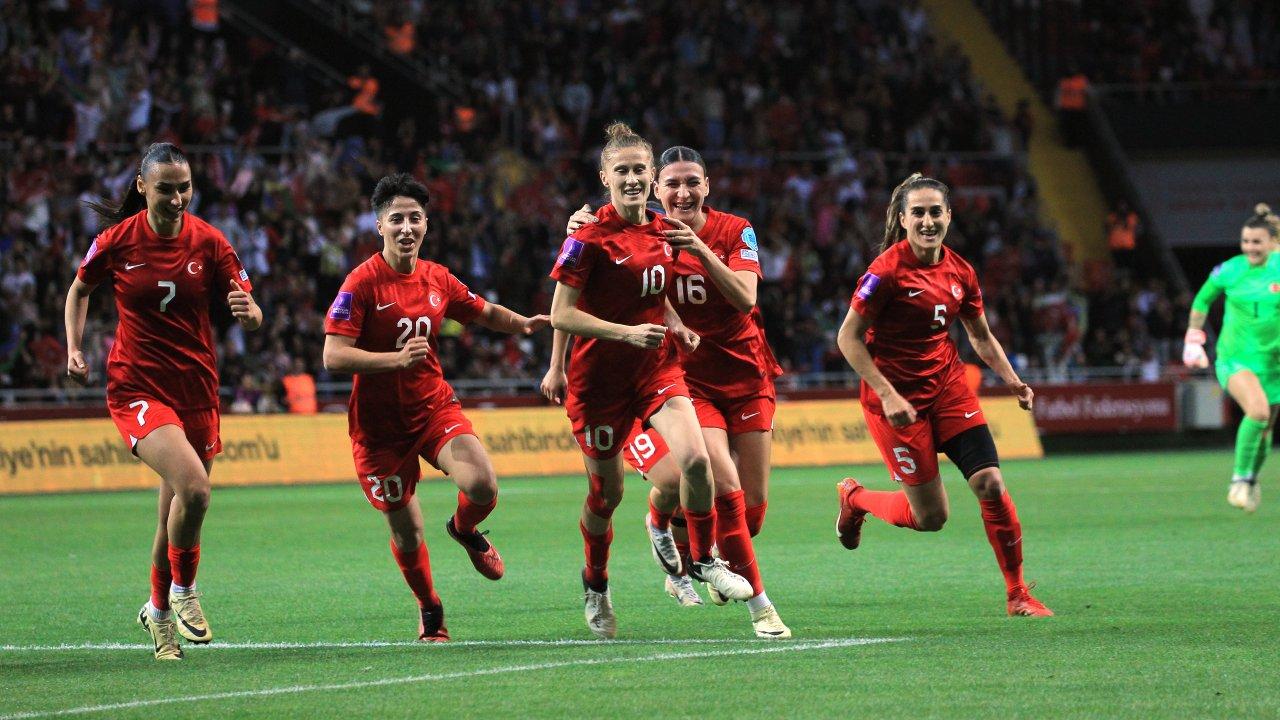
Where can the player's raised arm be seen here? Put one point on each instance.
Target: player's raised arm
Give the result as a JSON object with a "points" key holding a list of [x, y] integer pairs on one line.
{"points": [[566, 316], [854, 348], [992, 353]]}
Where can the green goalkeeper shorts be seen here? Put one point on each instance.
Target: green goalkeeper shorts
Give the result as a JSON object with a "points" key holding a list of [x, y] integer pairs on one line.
{"points": [[1268, 374]]}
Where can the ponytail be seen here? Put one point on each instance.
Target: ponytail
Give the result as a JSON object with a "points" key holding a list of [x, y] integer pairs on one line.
{"points": [[1264, 219], [133, 201], [893, 230]]}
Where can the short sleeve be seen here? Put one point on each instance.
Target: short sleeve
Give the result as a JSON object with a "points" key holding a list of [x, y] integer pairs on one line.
{"points": [[574, 263], [463, 305], [229, 267], [96, 265], [873, 291], [346, 314], [971, 305], [745, 252]]}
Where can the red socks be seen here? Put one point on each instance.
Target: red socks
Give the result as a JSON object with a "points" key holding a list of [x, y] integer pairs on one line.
{"points": [[160, 580], [416, 567], [1004, 532], [702, 531], [471, 514], [735, 541], [658, 518], [755, 518], [890, 506], [596, 548], [182, 565]]}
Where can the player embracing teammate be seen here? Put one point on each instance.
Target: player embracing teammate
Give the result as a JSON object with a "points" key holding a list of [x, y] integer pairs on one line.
{"points": [[914, 398]]}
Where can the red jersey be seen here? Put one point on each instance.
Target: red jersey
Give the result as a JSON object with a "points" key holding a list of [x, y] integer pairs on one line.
{"points": [[382, 308], [911, 307], [163, 288], [623, 271], [733, 359]]}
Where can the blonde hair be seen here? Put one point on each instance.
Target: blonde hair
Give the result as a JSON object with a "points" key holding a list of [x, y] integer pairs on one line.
{"points": [[1264, 219], [893, 230], [620, 135]]}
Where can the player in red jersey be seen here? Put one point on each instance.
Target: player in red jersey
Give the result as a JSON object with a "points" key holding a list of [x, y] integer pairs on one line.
{"points": [[914, 394], [165, 265], [383, 327], [730, 379], [610, 292]]}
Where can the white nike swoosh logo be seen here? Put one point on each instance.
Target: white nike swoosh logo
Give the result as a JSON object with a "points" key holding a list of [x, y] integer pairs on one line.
{"points": [[209, 447], [384, 307], [622, 260], [666, 388], [450, 428], [748, 417], [914, 293], [1013, 542], [971, 414], [127, 266]]}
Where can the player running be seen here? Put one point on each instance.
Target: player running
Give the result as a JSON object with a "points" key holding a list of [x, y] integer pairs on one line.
{"points": [[611, 279], [383, 327], [165, 266], [1248, 363], [730, 379], [914, 396]]}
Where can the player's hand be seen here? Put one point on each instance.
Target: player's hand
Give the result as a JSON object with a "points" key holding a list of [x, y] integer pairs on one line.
{"points": [[77, 369], [1193, 354], [687, 338], [582, 216], [1026, 396], [413, 352], [554, 384], [533, 324], [682, 237], [647, 336], [898, 410], [242, 305]]}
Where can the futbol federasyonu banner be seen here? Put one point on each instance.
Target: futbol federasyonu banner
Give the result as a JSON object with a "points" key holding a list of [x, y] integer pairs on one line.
{"points": [[69, 455]]}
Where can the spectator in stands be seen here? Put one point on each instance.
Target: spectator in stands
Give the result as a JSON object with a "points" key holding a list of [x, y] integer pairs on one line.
{"points": [[1122, 234], [299, 389]]}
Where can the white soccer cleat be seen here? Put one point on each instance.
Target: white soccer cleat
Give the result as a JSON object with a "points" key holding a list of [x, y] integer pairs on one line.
{"points": [[716, 597], [681, 588], [164, 634], [767, 624], [1255, 497], [1238, 495], [664, 549], [717, 575], [599, 613]]}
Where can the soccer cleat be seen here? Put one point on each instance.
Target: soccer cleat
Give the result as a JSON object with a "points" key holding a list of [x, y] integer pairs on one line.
{"points": [[599, 612], [767, 624], [484, 556], [190, 617], [163, 634], [1022, 604], [849, 521], [1255, 497], [431, 625], [717, 575], [681, 588], [716, 597], [664, 549], [1245, 494]]}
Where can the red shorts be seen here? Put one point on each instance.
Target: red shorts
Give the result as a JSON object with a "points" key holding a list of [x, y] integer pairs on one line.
{"points": [[136, 416], [600, 423], [911, 453], [737, 416], [644, 449], [389, 472]]}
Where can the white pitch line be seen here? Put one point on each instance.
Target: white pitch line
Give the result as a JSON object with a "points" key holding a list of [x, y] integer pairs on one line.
{"points": [[339, 645], [770, 647]]}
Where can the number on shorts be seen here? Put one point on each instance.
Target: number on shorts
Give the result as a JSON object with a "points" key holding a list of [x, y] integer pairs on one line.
{"points": [[144, 405], [939, 316], [653, 280], [420, 328], [642, 448], [602, 435], [905, 463], [388, 489], [690, 289], [173, 290]]}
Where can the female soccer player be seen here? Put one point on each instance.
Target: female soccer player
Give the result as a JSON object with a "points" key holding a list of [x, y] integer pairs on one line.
{"points": [[730, 379], [1248, 364], [914, 394], [611, 279], [383, 327], [162, 379]]}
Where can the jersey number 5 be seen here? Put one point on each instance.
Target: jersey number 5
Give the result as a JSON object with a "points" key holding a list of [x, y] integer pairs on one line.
{"points": [[939, 316], [419, 328]]}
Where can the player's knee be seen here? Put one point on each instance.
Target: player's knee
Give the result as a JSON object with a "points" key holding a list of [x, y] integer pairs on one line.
{"points": [[1260, 415], [482, 487], [696, 465], [987, 484], [193, 491], [407, 539], [603, 496], [931, 520]]}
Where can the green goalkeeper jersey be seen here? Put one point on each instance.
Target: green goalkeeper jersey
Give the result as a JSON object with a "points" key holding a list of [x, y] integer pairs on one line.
{"points": [[1251, 324]]}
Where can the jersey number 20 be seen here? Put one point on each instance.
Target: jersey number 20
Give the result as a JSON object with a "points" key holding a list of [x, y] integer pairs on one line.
{"points": [[419, 328]]}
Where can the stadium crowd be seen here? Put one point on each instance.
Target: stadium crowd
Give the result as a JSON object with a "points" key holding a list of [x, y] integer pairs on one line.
{"points": [[809, 155]]}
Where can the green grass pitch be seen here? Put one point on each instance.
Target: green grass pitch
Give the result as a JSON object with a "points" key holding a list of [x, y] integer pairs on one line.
{"points": [[1167, 603]]}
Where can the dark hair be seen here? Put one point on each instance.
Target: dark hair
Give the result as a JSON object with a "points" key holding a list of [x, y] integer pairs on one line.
{"points": [[399, 185], [893, 230], [1263, 218], [680, 153], [620, 135], [134, 201]]}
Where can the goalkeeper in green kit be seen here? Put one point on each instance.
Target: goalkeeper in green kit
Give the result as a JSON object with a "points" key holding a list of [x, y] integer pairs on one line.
{"points": [[1248, 349]]}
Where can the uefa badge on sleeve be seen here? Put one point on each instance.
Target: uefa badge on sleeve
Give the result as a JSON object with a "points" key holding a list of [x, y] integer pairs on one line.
{"points": [[341, 309]]}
